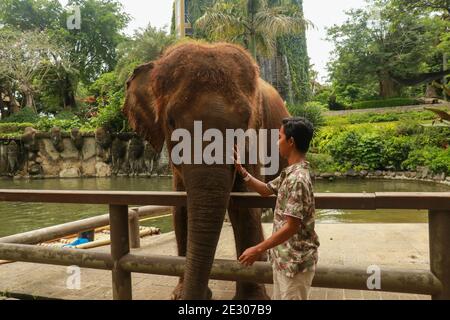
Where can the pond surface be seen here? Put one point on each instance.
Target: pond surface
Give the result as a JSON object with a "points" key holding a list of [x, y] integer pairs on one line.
{"points": [[21, 217]]}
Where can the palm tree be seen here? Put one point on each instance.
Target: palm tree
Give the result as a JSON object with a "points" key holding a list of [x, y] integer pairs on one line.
{"points": [[253, 23]]}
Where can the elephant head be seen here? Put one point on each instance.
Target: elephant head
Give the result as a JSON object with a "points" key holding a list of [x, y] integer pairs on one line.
{"points": [[217, 85]]}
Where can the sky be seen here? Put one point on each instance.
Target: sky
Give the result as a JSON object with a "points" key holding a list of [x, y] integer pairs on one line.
{"points": [[322, 13]]}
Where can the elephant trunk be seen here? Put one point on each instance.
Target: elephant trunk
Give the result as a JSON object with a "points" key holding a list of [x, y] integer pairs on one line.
{"points": [[208, 190]]}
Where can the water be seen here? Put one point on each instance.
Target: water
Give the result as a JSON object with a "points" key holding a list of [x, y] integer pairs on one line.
{"points": [[21, 217]]}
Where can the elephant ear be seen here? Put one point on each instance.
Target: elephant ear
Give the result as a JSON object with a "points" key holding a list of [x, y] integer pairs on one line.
{"points": [[140, 109]]}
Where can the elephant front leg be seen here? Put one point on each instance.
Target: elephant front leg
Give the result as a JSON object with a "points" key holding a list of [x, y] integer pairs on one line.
{"points": [[248, 232]]}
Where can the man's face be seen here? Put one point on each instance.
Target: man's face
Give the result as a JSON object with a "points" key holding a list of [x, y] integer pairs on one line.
{"points": [[284, 144]]}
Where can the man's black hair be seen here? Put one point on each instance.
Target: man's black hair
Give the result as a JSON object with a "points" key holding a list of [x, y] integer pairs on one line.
{"points": [[302, 130]]}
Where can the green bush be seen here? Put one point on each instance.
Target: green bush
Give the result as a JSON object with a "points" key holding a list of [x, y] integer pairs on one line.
{"points": [[437, 159], [46, 124], [395, 151], [24, 115], [310, 111], [111, 115], [394, 102], [322, 162], [8, 128]]}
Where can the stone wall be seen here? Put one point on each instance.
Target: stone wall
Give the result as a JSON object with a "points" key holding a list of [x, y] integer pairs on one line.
{"points": [[62, 155]]}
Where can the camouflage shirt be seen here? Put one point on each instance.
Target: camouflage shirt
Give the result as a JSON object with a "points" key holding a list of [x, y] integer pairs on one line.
{"points": [[295, 197]]}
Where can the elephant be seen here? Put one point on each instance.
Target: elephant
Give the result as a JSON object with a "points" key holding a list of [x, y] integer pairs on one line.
{"points": [[218, 84]]}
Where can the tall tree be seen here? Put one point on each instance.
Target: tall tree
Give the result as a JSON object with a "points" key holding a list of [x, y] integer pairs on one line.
{"points": [[252, 23], [31, 14], [25, 59], [381, 44], [93, 47]]}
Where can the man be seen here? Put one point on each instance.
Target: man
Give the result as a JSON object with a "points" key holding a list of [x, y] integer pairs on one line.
{"points": [[294, 243]]}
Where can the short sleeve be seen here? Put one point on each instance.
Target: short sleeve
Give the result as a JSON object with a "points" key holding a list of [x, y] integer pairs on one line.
{"points": [[294, 204], [274, 185]]}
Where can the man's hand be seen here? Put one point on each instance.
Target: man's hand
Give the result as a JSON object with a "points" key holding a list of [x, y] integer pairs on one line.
{"points": [[250, 256], [237, 163]]}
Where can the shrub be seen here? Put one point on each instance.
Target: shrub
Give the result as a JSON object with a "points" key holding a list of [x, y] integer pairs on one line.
{"points": [[24, 115], [311, 111], [11, 128], [386, 103], [437, 159], [111, 115], [322, 162]]}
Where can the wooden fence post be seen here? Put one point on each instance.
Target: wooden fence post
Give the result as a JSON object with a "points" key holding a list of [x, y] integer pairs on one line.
{"points": [[120, 247], [439, 229]]}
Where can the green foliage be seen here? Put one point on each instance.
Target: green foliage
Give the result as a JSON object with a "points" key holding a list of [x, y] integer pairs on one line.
{"points": [[110, 116], [311, 111], [322, 162], [437, 159], [24, 115], [8, 128], [381, 42], [385, 103], [45, 124], [401, 145]]}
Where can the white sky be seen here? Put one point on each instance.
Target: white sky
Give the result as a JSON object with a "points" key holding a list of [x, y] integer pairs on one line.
{"points": [[322, 13]]}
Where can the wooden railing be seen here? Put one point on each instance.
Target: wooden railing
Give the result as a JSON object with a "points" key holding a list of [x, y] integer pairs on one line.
{"points": [[434, 282]]}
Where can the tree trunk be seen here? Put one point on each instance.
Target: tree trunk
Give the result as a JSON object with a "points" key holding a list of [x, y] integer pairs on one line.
{"points": [[431, 92], [444, 80], [388, 87]]}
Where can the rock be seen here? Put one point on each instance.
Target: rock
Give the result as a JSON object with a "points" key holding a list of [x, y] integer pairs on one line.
{"points": [[351, 173], [391, 174], [70, 173], [69, 152], [35, 169], [327, 175], [447, 179], [439, 177], [378, 173], [338, 174], [50, 151], [364, 173], [89, 149], [102, 170]]}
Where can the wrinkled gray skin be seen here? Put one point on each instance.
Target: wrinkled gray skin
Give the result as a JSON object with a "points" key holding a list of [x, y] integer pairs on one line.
{"points": [[135, 152]]}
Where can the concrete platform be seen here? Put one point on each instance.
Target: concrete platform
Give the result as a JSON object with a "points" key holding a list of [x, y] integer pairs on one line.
{"points": [[361, 245]]}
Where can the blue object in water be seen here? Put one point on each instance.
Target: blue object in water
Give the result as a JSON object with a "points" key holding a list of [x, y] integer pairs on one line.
{"points": [[77, 242]]}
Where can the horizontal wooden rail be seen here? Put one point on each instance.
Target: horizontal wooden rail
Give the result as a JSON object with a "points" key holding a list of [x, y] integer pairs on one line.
{"points": [[360, 201], [392, 280], [66, 229]]}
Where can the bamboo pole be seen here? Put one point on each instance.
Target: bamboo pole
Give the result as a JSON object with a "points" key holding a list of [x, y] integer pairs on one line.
{"points": [[71, 228]]}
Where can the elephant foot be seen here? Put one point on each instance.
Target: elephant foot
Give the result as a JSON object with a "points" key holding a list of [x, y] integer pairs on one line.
{"points": [[177, 293], [253, 292]]}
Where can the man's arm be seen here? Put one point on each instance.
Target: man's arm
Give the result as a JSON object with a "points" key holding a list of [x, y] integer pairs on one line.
{"points": [[252, 254]]}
